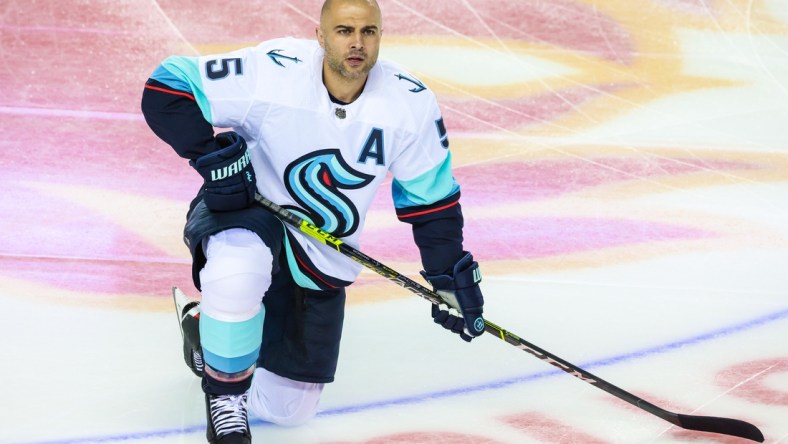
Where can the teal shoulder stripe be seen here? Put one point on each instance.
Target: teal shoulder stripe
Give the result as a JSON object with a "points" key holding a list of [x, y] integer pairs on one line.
{"points": [[432, 186], [161, 74], [183, 73]]}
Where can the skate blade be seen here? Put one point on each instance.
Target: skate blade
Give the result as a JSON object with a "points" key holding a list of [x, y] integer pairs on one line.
{"points": [[181, 300]]}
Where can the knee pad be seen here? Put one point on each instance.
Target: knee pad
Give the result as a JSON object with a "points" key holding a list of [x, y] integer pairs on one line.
{"points": [[283, 401], [235, 277]]}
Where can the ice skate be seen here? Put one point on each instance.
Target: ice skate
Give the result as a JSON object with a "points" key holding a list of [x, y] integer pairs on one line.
{"points": [[228, 421], [188, 313]]}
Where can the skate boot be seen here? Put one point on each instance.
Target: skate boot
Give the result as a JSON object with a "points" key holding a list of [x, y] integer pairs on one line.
{"points": [[228, 421], [188, 313]]}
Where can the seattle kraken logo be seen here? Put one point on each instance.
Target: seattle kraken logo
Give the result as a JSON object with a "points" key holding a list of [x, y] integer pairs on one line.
{"points": [[315, 181]]}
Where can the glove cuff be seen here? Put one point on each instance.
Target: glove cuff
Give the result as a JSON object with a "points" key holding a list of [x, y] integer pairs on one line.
{"points": [[230, 183], [465, 273], [232, 159]]}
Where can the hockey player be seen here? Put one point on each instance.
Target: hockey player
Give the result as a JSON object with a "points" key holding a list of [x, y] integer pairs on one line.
{"points": [[316, 126]]}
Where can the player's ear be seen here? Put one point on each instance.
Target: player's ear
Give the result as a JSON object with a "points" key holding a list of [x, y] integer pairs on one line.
{"points": [[319, 36]]}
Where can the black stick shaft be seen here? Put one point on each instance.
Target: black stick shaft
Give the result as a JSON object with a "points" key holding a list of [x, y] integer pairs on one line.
{"points": [[711, 424]]}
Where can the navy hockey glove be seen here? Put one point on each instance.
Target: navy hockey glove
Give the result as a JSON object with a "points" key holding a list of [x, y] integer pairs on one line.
{"points": [[230, 183], [461, 292]]}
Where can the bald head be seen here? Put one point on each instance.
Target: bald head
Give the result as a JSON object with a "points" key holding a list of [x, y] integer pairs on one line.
{"points": [[349, 32], [328, 6]]}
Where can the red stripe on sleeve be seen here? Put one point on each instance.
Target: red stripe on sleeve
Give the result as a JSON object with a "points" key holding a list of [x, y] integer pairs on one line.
{"points": [[432, 210], [169, 91]]}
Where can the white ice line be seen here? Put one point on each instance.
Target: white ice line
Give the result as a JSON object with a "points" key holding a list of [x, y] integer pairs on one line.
{"points": [[59, 112], [721, 395], [173, 27], [303, 14], [531, 280]]}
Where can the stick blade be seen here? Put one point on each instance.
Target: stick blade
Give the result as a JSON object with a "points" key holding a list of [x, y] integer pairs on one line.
{"points": [[726, 426]]}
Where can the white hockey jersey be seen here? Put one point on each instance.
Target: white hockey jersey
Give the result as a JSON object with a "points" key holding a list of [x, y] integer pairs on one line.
{"points": [[318, 158]]}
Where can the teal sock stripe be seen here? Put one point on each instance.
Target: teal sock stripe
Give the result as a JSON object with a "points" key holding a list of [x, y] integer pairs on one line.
{"points": [[231, 347]]}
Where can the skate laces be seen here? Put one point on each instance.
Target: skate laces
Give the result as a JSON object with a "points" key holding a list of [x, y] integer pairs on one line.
{"points": [[197, 360], [228, 414]]}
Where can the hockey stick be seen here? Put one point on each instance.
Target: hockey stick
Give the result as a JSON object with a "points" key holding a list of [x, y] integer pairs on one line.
{"points": [[726, 426]]}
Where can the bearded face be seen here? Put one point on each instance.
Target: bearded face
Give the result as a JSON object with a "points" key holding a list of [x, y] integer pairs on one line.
{"points": [[349, 64]]}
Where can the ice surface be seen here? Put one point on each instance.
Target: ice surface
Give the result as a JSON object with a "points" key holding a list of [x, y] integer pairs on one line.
{"points": [[625, 183]]}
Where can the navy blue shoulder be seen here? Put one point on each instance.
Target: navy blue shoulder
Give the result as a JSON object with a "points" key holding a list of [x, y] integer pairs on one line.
{"points": [[175, 117]]}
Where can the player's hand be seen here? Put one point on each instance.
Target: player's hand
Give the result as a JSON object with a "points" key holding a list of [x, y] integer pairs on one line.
{"points": [[230, 183], [460, 292]]}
